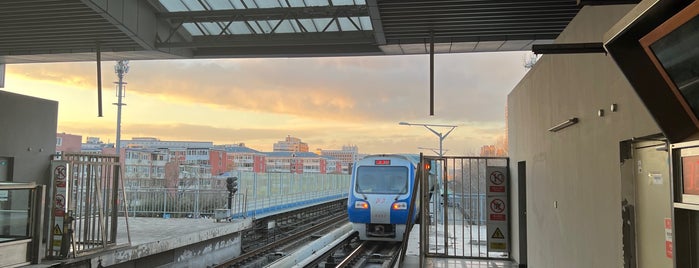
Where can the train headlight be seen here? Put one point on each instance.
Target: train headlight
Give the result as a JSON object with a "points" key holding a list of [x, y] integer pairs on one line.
{"points": [[361, 205], [400, 206]]}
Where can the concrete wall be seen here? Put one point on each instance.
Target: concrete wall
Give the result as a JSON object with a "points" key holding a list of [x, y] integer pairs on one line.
{"points": [[577, 167], [28, 135]]}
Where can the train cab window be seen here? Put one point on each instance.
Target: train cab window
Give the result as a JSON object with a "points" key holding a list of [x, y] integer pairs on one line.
{"points": [[382, 180]]}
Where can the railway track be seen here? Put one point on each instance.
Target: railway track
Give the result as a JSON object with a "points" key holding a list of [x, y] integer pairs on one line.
{"points": [[372, 254], [263, 255]]}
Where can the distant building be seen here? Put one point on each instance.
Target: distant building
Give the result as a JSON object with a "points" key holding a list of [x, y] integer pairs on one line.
{"points": [[145, 168], [242, 158], [347, 156], [94, 145], [295, 162], [149, 142], [68, 143], [290, 144]]}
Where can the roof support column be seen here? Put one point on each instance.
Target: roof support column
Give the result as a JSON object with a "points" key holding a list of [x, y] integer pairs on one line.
{"points": [[431, 73]]}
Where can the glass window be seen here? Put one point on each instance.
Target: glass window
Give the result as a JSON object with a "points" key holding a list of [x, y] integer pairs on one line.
{"points": [[14, 214], [679, 54], [382, 180]]}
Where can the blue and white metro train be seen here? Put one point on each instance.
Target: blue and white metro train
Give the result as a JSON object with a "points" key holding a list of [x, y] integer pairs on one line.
{"points": [[380, 194]]}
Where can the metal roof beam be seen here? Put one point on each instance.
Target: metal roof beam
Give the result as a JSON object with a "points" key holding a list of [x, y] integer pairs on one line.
{"points": [[606, 2], [280, 13], [277, 39], [569, 48]]}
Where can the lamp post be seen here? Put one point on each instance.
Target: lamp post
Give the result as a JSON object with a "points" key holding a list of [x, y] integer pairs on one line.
{"points": [[439, 134], [121, 68], [432, 149]]}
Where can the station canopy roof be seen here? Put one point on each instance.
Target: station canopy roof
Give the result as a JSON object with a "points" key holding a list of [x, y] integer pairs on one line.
{"points": [[75, 30]]}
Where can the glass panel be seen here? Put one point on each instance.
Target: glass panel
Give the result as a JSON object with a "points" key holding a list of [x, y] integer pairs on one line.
{"points": [[239, 27], [213, 28], [267, 3], [382, 180], [193, 30], [193, 5], [173, 5], [250, 3], [346, 24], [267, 25], [14, 214], [219, 5], [679, 55], [296, 3], [347, 2], [284, 27], [366, 23], [316, 3], [238, 4], [323, 22], [309, 25]]}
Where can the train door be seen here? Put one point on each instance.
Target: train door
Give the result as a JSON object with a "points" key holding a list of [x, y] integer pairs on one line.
{"points": [[646, 205]]}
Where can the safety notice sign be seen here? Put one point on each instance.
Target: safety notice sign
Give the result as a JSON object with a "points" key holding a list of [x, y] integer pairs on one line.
{"points": [[497, 209]]}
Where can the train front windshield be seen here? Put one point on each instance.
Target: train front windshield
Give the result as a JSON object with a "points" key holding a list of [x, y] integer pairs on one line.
{"points": [[382, 180]]}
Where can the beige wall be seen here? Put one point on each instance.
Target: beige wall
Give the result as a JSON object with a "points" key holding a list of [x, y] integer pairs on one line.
{"points": [[577, 167], [28, 134]]}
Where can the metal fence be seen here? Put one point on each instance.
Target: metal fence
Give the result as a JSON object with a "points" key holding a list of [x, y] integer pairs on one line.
{"points": [[458, 223], [259, 193], [92, 205]]}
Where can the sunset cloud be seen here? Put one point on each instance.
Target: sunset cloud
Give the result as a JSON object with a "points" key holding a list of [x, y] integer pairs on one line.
{"points": [[323, 101]]}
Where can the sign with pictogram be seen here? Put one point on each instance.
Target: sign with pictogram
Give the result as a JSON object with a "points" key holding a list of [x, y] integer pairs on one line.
{"points": [[60, 201], [498, 234], [59, 173], [497, 181], [497, 208], [61, 185], [57, 230], [497, 205]]}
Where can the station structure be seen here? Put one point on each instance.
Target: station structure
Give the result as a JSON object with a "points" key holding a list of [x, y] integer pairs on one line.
{"points": [[602, 129]]}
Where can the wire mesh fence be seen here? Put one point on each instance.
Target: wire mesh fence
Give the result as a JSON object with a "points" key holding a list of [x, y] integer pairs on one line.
{"points": [[258, 193]]}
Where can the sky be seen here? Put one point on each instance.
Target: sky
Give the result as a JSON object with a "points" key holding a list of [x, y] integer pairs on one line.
{"points": [[327, 102]]}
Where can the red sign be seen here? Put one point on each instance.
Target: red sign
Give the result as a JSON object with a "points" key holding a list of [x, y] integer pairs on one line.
{"points": [[497, 189], [690, 174], [668, 237], [382, 162], [497, 217]]}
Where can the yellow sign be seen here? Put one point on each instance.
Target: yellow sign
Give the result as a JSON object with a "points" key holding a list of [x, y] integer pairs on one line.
{"points": [[498, 234], [57, 230], [495, 245]]}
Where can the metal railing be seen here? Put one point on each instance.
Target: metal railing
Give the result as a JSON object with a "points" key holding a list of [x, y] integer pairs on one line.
{"points": [[93, 204], [461, 221], [259, 193]]}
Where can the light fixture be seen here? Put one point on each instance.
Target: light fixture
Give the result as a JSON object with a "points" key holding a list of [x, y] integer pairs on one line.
{"points": [[564, 124]]}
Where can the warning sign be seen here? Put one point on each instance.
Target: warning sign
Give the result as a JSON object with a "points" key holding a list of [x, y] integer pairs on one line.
{"points": [[498, 234], [497, 181], [57, 230], [497, 205], [60, 201], [59, 173], [497, 208]]}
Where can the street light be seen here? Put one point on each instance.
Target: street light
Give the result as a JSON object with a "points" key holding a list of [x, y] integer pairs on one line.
{"points": [[441, 154], [439, 134], [432, 149]]}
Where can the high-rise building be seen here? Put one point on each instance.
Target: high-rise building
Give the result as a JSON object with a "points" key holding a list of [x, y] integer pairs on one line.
{"points": [[290, 144]]}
